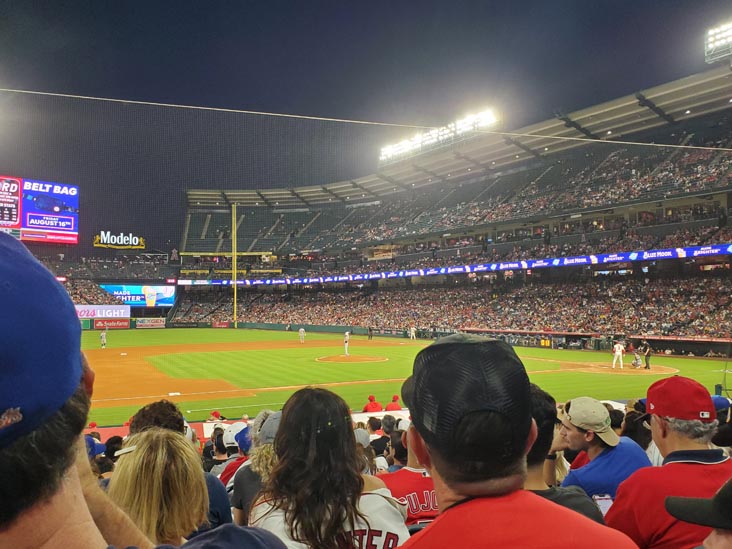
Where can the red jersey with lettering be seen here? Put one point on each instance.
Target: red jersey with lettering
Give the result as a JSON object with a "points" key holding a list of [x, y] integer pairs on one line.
{"points": [[415, 489], [519, 519]]}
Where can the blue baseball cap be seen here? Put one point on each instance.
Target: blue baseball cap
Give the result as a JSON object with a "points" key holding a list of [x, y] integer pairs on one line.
{"points": [[243, 439], [40, 343], [94, 448]]}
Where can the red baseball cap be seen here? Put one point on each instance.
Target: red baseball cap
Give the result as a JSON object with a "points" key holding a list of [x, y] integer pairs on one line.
{"points": [[372, 398], [680, 398]]}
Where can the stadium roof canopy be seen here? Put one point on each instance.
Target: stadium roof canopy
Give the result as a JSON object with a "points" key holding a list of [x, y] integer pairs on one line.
{"points": [[487, 151]]}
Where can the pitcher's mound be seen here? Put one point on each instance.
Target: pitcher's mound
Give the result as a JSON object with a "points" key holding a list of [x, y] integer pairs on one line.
{"points": [[351, 359]]}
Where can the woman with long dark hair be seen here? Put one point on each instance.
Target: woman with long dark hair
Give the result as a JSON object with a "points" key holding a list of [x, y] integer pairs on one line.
{"points": [[316, 496]]}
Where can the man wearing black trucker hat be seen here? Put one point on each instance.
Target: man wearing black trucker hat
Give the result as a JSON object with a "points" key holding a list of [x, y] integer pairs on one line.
{"points": [[470, 402]]}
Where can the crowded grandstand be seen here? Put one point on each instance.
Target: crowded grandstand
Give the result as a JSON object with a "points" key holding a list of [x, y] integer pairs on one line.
{"points": [[473, 265]]}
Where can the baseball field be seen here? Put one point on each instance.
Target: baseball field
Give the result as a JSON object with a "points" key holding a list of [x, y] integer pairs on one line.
{"points": [[243, 371]]}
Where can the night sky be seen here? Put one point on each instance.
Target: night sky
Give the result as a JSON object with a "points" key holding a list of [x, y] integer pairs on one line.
{"points": [[423, 62]]}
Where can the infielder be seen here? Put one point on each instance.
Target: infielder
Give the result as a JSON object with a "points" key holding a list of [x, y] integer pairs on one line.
{"points": [[618, 349], [103, 338], [346, 339], [412, 333], [301, 331]]}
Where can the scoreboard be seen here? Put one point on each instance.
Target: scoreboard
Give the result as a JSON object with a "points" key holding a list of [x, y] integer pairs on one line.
{"points": [[39, 211]]}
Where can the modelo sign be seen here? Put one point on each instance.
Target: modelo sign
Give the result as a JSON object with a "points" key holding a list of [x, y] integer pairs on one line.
{"points": [[121, 241], [102, 311]]}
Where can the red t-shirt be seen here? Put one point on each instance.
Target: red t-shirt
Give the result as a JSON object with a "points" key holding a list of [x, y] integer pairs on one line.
{"points": [[393, 406], [519, 519], [414, 488], [638, 509]]}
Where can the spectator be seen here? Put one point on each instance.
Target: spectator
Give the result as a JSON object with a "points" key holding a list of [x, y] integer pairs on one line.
{"points": [[396, 452], [233, 450], [709, 512], [207, 455], [94, 448], [413, 486], [372, 405], [683, 422], [471, 428], [586, 426], [316, 495], [48, 495], [616, 420], [249, 479], [243, 442], [394, 404], [158, 483], [373, 426], [634, 429], [113, 444], [364, 447], [544, 412], [162, 413], [166, 414]]}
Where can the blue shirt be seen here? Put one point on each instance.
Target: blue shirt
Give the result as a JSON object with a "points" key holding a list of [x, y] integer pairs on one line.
{"points": [[219, 508], [603, 474]]}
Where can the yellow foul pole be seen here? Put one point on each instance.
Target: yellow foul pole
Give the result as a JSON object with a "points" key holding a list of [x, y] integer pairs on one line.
{"points": [[233, 257]]}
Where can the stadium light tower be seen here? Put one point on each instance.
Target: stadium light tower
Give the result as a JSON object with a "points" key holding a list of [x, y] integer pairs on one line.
{"points": [[718, 44]]}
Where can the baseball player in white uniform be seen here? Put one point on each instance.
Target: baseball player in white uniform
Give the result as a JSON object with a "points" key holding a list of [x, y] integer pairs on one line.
{"points": [[103, 338], [618, 350], [413, 333], [346, 339], [301, 331]]}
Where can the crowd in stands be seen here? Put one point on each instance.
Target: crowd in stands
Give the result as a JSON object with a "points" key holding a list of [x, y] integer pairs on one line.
{"points": [[486, 459], [87, 292], [112, 268], [639, 306], [624, 240], [621, 176]]}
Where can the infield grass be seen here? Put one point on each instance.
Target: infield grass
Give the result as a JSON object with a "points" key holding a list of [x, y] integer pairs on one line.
{"points": [[270, 375]]}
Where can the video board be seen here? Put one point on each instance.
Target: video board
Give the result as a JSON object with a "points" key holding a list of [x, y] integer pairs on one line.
{"points": [[142, 295], [39, 211]]}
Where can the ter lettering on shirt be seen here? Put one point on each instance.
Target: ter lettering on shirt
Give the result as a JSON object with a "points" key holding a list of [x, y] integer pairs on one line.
{"points": [[374, 539]]}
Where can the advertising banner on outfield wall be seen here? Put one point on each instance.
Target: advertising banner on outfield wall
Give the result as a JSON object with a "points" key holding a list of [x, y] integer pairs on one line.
{"points": [[150, 323], [103, 311], [219, 324], [112, 324], [183, 324]]}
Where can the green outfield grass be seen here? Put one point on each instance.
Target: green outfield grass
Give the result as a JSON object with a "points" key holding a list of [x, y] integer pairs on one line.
{"points": [[285, 368]]}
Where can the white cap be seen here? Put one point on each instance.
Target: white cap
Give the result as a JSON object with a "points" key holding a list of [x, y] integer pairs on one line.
{"points": [[231, 431]]}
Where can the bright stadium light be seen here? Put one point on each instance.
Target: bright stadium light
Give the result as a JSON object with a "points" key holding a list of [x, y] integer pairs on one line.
{"points": [[718, 45], [437, 136]]}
